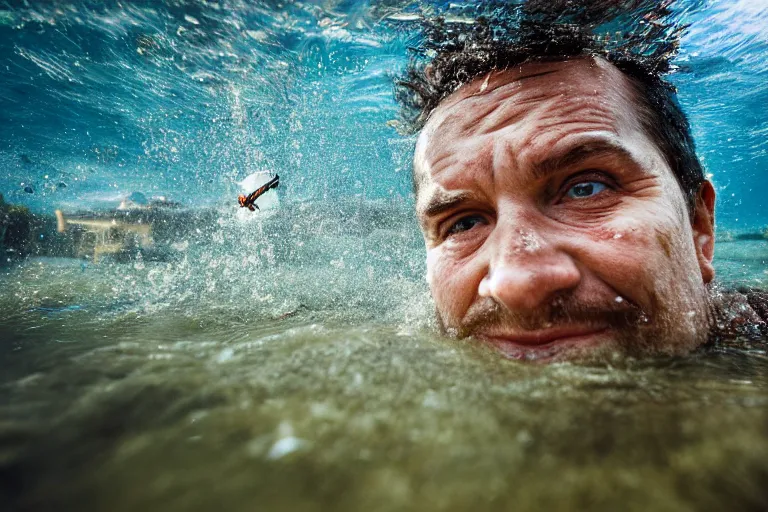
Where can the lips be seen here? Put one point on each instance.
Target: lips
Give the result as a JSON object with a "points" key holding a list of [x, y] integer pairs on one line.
{"points": [[546, 343]]}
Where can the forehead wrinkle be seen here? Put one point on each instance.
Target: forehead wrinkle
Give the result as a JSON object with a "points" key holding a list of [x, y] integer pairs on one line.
{"points": [[559, 114], [498, 83], [507, 102], [582, 110], [551, 130], [456, 158], [436, 161], [493, 111], [510, 111], [587, 120], [483, 104], [442, 153], [442, 161]]}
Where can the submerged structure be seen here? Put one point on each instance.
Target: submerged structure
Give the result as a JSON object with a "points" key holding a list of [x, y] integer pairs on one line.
{"points": [[120, 232]]}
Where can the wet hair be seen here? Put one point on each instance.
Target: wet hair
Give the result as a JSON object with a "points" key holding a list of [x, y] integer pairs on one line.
{"points": [[639, 37]]}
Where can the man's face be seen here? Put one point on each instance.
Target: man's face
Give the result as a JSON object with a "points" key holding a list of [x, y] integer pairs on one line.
{"points": [[554, 227]]}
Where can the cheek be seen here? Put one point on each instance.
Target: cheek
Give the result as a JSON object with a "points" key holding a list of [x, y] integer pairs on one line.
{"points": [[453, 283], [640, 260]]}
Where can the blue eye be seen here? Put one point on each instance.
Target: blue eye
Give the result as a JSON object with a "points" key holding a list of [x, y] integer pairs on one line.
{"points": [[466, 223], [585, 189]]}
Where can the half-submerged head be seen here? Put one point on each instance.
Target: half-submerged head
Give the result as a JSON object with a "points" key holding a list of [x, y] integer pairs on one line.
{"points": [[564, 210]]}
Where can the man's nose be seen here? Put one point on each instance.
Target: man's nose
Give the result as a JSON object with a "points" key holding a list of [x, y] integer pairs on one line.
{"points": [[525, 271]]}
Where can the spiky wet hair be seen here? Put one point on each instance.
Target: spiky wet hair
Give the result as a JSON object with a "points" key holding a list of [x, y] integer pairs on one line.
{"points": [[639, 37]]}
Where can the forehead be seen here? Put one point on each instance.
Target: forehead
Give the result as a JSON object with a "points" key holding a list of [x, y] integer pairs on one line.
{"points": [[530, 108]]}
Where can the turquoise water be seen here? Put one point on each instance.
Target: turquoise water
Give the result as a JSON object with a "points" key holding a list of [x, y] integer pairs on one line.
{"points": [[182, 99], [287, 360]]}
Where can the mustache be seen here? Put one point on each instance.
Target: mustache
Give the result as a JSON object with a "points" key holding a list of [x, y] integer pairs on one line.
{"points": [[487, 314]]}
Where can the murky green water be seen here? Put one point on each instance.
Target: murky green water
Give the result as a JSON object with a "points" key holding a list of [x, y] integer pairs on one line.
{"points": [[287, 360], [284, 365]]}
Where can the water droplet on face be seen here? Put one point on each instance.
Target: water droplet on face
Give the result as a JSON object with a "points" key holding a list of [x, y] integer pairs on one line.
{"points": [[484, 86], [619, 300], [529, 242]]}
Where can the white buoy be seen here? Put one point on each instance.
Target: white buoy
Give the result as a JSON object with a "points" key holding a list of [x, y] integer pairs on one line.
{"points": [[253, 181], [268, 203]]}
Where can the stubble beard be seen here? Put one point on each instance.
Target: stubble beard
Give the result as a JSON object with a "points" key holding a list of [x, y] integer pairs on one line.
{"points": [[633, 333]]}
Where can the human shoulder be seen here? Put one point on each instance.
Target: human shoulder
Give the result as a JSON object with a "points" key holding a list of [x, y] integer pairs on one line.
{"points": [[758, 300], [739, 317]]}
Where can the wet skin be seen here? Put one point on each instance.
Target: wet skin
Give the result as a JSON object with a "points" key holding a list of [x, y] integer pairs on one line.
{"points": [[554, 227]]}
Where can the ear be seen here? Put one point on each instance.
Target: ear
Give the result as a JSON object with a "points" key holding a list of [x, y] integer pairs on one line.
{"points": [[703, 222]]}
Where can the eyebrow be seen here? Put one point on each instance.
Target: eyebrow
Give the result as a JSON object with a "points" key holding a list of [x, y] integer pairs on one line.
{"points": [[579, 153], [444, 201]]}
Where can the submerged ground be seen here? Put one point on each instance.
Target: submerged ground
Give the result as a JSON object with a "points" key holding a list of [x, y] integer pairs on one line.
{"points": [[287, 362]]}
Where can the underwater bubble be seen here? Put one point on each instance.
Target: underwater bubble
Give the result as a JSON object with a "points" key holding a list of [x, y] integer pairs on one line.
{"points": [[285, 446], [225, 355]]}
